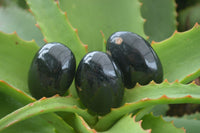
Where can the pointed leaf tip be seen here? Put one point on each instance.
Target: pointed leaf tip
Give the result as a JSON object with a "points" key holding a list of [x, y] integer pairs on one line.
{"points": [[37, 25], [57, 3], [188, 96], [43, 98], [175, 32], [152, 42], [196, 25], [166, 81], [30, 11], [176, 81], [164, 97], [153, 82]]}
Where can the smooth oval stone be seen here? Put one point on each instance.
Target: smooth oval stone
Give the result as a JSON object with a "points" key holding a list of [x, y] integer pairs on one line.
{"points": [[99, 83], [135, 57], [52, 70]]}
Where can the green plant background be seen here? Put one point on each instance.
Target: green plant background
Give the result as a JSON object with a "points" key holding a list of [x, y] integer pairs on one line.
{"points": [[84, 26]]}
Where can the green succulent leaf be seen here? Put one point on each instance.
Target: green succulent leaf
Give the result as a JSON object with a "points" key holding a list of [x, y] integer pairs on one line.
{"points": [[108, 16], [15, 59], [180, 55], [47, 105], [14, 18], [80, 125], [160, 23], [149, 95], [155, 110], [12, 99], [127, 124], [33, 125], [195, 116], [55, 25], [190, 125], [157, 125], [188, 17], [77, 122]]}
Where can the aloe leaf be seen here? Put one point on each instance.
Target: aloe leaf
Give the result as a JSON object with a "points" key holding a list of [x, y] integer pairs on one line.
{"points": [[190, 125], [77, 122], [14, 18], [155, 110], [81, 126], [160, 23], [55, 25], [34, 125], [188, 17], [15, 59], [108, 16], [12, 99], [149, 95], [127, 124], [180, 55], [195, 116], [157, 124], [46, 105]]}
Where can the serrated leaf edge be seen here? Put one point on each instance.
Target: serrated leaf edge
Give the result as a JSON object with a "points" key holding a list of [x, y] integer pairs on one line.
{"points": [[4, 124], [64, 13], [170, 122], [154, 43]]}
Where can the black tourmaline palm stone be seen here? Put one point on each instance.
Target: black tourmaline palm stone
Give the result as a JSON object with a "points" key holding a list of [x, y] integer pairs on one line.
{"points": [[135, 57], [52, 70], [99, 83]]}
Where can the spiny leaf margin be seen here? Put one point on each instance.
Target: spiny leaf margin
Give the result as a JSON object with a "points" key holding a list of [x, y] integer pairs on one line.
{"points": [[180, 55], [152, 94], [157, 124], [46, 105], [55, 25], [25, 99]]}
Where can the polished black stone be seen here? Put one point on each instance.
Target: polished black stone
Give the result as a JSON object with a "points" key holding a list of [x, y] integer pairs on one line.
{"points": [[99, 83], [52, 70], [135, 57]]}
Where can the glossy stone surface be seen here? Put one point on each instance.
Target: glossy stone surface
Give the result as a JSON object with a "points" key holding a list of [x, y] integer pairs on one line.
{"points": [[99, 83], [52, 71], [135, 57]]}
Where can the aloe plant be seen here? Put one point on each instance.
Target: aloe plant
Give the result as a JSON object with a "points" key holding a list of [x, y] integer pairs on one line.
{"points": [[26, 26]]}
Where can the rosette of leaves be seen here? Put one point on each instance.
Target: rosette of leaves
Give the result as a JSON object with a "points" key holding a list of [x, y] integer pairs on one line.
{"points": [[26, 26]]}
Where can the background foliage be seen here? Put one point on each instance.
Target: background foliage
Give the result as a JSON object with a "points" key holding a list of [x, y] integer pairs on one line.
{"points": [[170, 26]]}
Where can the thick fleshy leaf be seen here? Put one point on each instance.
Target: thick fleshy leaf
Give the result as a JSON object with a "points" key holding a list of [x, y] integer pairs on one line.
{"points": [[47, 105], [12, 99], [188, 17], [191, 125], [55, 25], [15, 58], [180, 55], [14, 18], [77, 122], [80, 126], [33, 125], [155, 110], [127, 124], [93, 16], [152, 94], [157, 125], [195, 116], [160, 23]]}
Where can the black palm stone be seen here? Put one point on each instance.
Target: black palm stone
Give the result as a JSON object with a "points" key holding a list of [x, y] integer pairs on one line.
{"points": [[99, 83], [52, 70], [135, 57]]}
